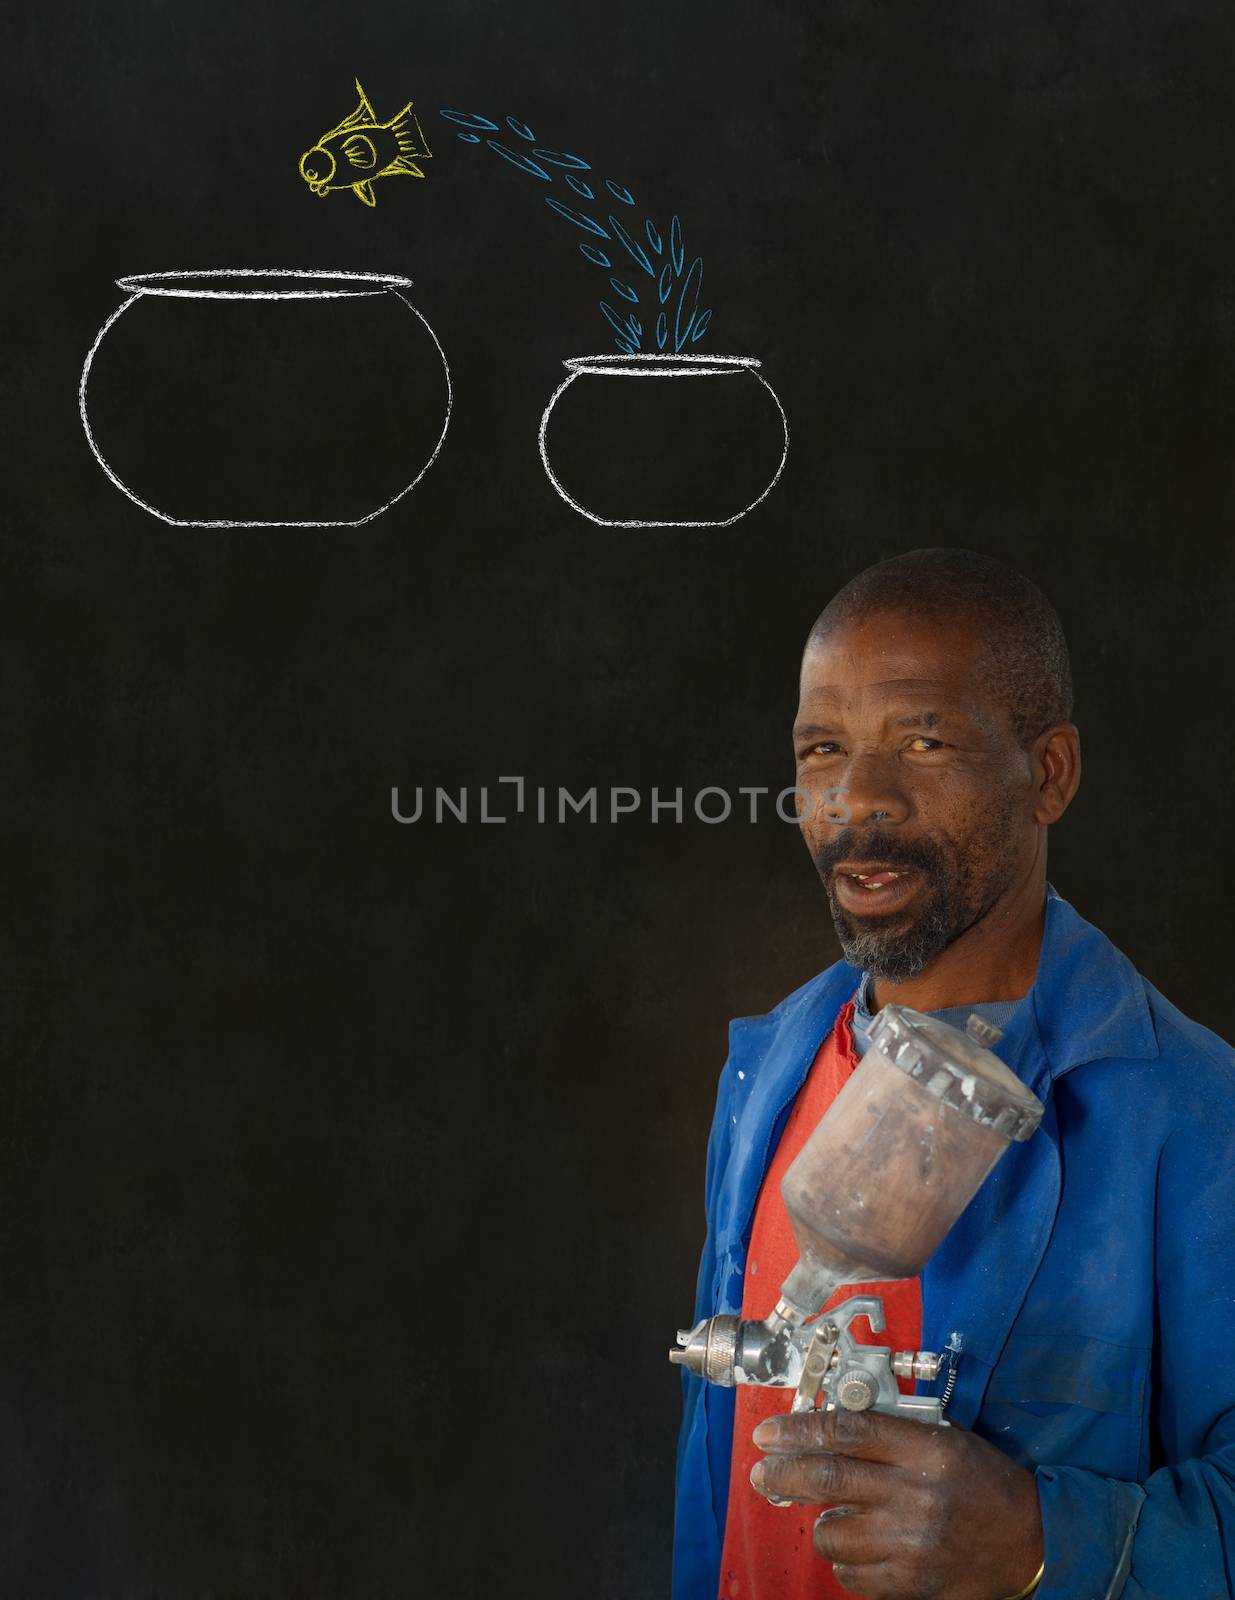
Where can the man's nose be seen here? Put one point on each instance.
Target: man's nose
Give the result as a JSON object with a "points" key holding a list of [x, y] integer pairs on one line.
{"points": [[869, 789]]}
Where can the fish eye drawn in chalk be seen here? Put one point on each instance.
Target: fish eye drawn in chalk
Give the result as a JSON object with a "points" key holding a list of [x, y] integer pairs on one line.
{"points": [[361, 150], [354, 315]]}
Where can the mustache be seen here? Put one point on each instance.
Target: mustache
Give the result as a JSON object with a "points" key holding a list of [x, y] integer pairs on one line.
{"points": [[857, 844]]}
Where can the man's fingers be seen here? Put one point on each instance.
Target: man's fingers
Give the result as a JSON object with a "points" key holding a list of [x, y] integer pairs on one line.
{"points": [[842, 1534], [866, 1435], [822, 1480], [850, 1541], [875, 1579]]}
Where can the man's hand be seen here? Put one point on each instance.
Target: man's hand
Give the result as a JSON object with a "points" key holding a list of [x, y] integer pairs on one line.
{"points": [[918, 1510]]}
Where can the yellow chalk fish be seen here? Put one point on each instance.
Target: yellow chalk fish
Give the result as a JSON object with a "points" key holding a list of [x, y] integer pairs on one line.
{"points": [[361, 149]]}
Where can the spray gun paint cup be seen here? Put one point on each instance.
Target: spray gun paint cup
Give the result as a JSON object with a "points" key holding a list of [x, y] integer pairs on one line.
{"points": [[901, 1152]]}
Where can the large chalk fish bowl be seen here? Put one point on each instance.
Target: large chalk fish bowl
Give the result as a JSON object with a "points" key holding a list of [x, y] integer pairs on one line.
{"points": [[265, 398], [667, 441]]}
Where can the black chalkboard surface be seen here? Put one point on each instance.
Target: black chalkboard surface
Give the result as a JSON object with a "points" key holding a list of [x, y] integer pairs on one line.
{"points": [[356, 1163]]}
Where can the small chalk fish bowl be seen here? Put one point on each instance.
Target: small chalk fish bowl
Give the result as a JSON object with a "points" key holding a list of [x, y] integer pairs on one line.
{"points": [[265, 398], [633, 441]]}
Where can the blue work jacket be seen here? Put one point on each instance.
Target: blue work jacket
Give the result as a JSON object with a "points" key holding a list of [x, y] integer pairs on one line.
{"points": [[1092, 1277]]}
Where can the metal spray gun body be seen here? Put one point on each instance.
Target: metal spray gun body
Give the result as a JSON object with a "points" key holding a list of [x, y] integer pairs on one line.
{"points": [[903, 1149]]}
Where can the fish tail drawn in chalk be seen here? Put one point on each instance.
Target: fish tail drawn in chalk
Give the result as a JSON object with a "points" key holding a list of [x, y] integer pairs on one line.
{"points": [[362, 149], [656, 287]]}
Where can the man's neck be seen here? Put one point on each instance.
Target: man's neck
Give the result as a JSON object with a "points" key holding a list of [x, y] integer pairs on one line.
{"points": [[994, 959]]}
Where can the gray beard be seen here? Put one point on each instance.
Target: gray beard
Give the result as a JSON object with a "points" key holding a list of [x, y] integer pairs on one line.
{"points": [[899, 954]]}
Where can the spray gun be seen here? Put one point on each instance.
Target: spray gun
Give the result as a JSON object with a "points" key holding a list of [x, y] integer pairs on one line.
{"points": [[902, 1150]]}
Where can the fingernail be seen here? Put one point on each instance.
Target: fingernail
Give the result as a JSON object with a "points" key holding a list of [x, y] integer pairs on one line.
{"points": [[767, 1433]]}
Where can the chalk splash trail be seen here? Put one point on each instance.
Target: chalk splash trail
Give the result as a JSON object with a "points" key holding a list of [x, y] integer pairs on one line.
{"points": [[656, 289]]}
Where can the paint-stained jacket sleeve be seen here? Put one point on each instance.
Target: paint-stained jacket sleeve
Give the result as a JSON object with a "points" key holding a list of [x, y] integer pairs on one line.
{"points": [[1172, 1536], [696, 1553]]}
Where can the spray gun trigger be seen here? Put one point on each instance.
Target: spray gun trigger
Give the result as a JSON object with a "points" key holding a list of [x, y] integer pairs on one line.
{"points": [[820, 1353]]}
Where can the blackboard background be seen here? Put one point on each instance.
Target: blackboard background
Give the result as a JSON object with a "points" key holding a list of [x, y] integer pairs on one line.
{"points": [[355, 1168]]}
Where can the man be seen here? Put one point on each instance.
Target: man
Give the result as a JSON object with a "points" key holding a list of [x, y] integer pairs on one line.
{"points": [[1090, 1285]]}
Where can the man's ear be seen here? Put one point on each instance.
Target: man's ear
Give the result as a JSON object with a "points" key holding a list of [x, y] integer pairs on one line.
{"points": [[1057, 770]]}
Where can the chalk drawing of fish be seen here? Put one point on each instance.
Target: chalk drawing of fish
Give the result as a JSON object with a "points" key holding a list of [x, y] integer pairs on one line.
{"points": [[362, 149]]}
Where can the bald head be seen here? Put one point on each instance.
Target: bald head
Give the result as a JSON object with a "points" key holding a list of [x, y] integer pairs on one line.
{"points": [[1023, 655]]}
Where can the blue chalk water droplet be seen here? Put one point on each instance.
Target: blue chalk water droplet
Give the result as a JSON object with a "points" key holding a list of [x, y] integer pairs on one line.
{"points": [[469, 138], [662, 331], [624, 289], [525, 163], [677, 249], [598, 256], [701, 326], [654, 238], [665, 282], [577, 217], [618, 324], [578, 185], [619, 192], [468, 119], [521, 128], [688, 303], [637, 252], [563, 158]]}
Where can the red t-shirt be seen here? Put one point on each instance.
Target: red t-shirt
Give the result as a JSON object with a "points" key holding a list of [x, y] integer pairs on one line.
{"points": [[768, 1553]]}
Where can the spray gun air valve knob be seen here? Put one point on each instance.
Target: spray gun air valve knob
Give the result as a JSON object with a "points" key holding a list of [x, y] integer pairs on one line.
{"points": [[923, 1364], [857, 1391]]}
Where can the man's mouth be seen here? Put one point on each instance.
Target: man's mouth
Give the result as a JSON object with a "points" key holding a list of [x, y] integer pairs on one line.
{"points": [[870, 885]]}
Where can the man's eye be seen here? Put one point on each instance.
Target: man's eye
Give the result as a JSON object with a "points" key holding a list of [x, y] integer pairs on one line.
{"points": [[827, 748], [922, 743]]}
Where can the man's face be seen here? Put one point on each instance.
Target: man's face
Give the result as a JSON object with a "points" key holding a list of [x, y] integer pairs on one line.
{"points": [[908, 765]]}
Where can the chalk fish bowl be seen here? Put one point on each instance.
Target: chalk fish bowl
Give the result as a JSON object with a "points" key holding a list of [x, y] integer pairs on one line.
{"points": [[676, 441], [265, 397]]}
